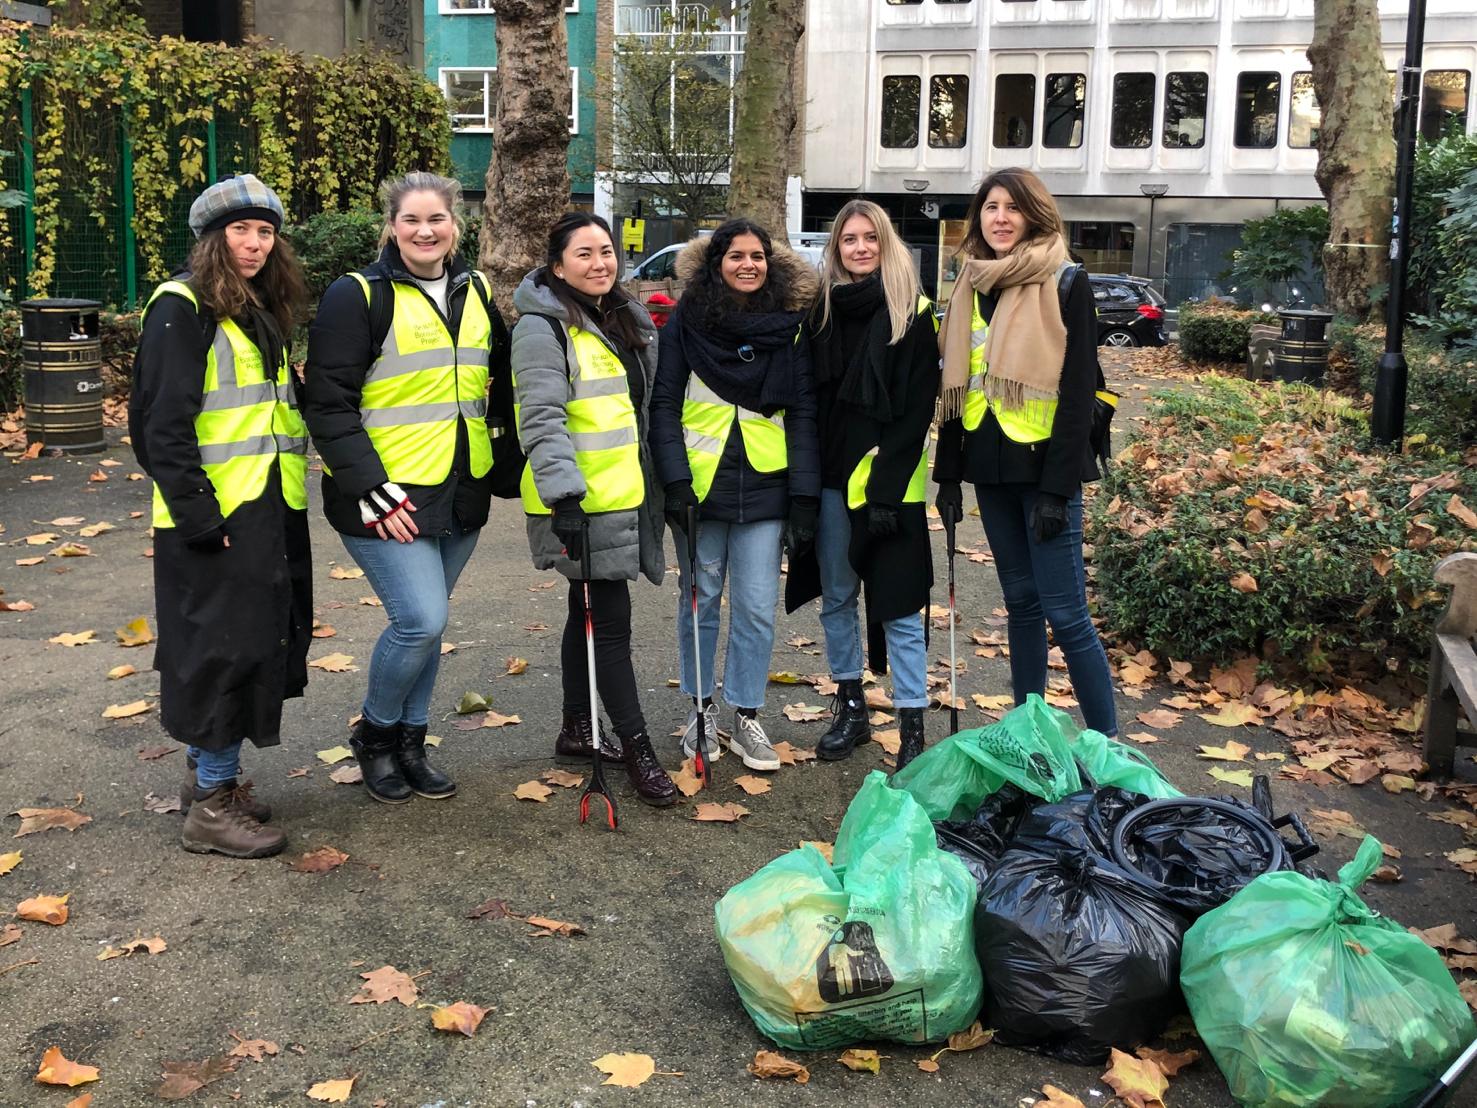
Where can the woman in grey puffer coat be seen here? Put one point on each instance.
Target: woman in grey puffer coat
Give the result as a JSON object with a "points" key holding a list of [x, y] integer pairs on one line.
{"points": [[584, 359]]}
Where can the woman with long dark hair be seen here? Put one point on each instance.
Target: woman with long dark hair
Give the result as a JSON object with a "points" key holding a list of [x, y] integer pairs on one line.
{"points": [[399, 358], [213, 417], [733, 435], [1020, 376], [584, 358], [873, 342]]}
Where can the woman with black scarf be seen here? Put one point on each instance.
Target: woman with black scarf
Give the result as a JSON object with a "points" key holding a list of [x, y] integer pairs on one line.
{"points": [[734, 443], [874, 348]]}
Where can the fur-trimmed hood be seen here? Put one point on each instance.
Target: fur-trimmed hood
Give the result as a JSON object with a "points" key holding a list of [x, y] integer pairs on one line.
{"points": [[804, 281]]}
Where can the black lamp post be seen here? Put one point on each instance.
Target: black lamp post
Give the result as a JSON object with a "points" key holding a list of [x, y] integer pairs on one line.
{"points": [[1153, 192]]}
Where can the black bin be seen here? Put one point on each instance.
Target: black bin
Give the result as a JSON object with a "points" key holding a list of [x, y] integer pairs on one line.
{"points": [[62, 354], [1302, 351]]}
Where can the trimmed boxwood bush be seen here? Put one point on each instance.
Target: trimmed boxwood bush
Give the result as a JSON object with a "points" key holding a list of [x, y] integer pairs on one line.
{"points": [[1217, 330], [1250, 518]]}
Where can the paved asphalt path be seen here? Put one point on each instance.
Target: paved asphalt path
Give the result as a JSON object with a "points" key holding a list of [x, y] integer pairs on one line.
{"points": [[258, 949]]}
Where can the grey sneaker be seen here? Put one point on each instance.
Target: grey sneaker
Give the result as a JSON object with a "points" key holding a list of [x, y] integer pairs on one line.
{"points": [[711, 750], [752, 745]]}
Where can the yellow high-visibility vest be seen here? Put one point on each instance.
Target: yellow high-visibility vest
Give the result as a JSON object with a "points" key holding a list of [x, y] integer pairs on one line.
{"points": [[247, 423], [707, 420], [1029, 423], [856, 484], [422, 383], [601, 421]]}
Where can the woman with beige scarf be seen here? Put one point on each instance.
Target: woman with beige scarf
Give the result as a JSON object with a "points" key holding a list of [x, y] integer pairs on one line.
{"points": [[1016, 411]]}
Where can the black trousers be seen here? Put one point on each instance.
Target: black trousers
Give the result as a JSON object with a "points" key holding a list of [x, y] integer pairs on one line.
{"points": [[615, 679]]}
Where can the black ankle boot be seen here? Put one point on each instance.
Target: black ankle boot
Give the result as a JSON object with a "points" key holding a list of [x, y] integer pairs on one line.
{"points": [[650, 781], [849, 726], [415, 765], [910, 724], [576, 741], [376, 749]]}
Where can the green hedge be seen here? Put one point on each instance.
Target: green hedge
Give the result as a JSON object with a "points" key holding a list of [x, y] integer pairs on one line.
{"points": [[1217, 330], [1441, 385], [1272, 482]]}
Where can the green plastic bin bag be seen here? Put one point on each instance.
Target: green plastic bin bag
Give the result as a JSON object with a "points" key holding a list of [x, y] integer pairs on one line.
{"points": [[1027, 748], [1110, 764], [1308, 999], [880, 946]]}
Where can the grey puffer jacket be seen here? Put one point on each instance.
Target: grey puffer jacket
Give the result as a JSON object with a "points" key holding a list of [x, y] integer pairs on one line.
{"points": [[624, 545]]}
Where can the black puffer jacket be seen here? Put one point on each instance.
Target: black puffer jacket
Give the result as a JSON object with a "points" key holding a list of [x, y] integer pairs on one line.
{"points": [[740, 493], [340, 352]]}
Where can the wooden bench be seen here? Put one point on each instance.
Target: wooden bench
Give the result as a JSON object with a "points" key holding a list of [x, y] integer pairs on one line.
{"points": [[1453, 666]]}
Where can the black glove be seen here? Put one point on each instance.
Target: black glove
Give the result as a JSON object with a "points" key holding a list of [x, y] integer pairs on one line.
{"points": [[1048, 516], [680, 500], [800, 529], [950, 503], [211, 542], [881, 520], [569, 525]]}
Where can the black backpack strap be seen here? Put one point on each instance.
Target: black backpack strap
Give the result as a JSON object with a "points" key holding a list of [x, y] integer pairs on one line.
{"points": [[1066, 274], [380, 297], [559, 331]]}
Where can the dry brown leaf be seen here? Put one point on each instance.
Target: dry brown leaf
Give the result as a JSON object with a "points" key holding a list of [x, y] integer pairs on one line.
{"points": [[29, 561], [117, 673], [41, 538], [1137, 1081], [10, 933], [9, 861], [346, 573], [1445, 938], [251, 1048], [323, 631], [544, 927], [162, 805], [859, 1061], [754, 786], [44, 819], [1397, 783], [562, 778], [182, 1079], [533, 790], [1160, 719], [769, 1063], [1056, 1098], [992, 703], [628, 1071], [371, 602], [495, 719], [135, 633], [1388, 875], [1459, 511], [322, 860], [515, 666], [1231, 752], [1237, 714], [347, 775], [491, 909], [460, 1017], [828, 850], [72, 550], [384, 984], [1468, 989], [791, 755], [96, 529], [1143, 738], [67, 521], [56, 1069], [136, 945], [719, 813], [83, 1101], [125, 711], [333, 1092], [16, 606], [74, 638], [891, 741], [686, 779], [1243, 582], [972, 1039], [335, 663], [927, 1065], [1169, 1063], [804, 713]]}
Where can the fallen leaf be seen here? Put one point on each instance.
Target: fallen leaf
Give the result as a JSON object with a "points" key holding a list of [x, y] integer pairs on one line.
{"points": [[783, 677], [490, 909], [1233, 715], [1468, 989], [1231, 752], [323, 631], [300, 771], [1243, 582], [804, 713], [322, 860], [117, 673], [44, 819], [972, 1039], [1464, 860], [58, 1070], [44, 909], [1137, 1081], [333, 1092], [72, 550], [1397, 783], [927, 1065], [515, 666], [542, 587], [769, 1063], [1170, 1064], [628, 1071], [9, 861], [124, 711], [1445, 938], [67, 521], [1457, 509], [79, 638], [29, 561], [544, 927], [562, 778], [335, 663], [97, 476], [1143, 738], [461, 1017], [334, 754], [162, 805], [41, 538], [347, 775], [1240, 777], [251, 1048], [754, 786], [83, 1101], [346, 573], [10, 933], [791, 755], [719, 813], [868, 1061], [992, 703], [686, 779], [533, 790], [1056, 1098], [371, 602], [386, 983], [495, 720], [16, 606], [828, 850], [136, 945], [96, 529], [1159, 718], [890, 741], [135, 632], [1388, 874]]}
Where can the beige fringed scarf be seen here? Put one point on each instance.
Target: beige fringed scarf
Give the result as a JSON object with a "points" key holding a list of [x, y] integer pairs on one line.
{"points": [[1027, 341]]}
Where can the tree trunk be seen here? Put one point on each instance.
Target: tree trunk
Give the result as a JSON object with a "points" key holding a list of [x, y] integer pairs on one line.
{"points": [[528, 176], [766, 114], [1356, 150]]}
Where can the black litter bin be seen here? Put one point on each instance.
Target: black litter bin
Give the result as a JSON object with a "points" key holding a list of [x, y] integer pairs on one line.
{"points": [[1302, 351], [62, 354]]}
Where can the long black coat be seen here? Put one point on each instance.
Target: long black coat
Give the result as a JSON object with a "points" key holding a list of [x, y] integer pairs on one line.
{"points": [[235, 625]]}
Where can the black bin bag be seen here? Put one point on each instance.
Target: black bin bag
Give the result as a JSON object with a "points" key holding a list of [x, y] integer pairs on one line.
{"points": [[1077, 956]]}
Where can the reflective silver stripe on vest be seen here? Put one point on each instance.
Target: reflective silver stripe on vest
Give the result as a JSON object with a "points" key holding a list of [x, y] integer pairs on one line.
{"points": [[471, 355], [291, 444], [240, 396], [977, 338], [215, 453], [603, 440], [392, 363], [705, 444], [410, 413], [473, 409], [599, 386], [700, 393]]}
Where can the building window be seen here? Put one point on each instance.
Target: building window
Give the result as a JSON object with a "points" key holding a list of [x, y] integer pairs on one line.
{"points": [[902, 3], [1444, 102], [1185, 97], [1015, 108], [1303, 113], [484, 7], [1103, 247], [900, 100], [1258, 99], [1062, 115], [1133, 110], [471, 94], [948, 111]]}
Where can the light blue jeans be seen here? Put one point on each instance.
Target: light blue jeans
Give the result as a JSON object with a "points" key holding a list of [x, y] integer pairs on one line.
{"points": [[216, 767], [413, 581], [907, 653], [748, 555]]}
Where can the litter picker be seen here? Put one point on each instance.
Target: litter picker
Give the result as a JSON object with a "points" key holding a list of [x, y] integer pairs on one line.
{"points": [[949, 530], [702, 766], [597, 786]]}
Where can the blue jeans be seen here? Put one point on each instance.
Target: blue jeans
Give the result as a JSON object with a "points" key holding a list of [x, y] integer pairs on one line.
{"points": [[216, 767], [748, 555], [413, 581], [1046, 582], [906, 653]]}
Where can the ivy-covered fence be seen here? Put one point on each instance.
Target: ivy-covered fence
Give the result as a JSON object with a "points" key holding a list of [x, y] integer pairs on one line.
{"points": [[112, 134]]}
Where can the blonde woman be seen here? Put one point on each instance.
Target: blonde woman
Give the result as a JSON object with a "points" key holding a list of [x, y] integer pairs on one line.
{"points": [[398, 366], [874, 352]]}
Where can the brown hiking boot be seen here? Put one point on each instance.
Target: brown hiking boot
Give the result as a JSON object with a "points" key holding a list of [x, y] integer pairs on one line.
{"points": [[218, 822], [260, 811]]}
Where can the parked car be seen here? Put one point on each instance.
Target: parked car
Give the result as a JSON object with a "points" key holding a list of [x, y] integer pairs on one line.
{"points": [[658, 273], [1129, 311]]}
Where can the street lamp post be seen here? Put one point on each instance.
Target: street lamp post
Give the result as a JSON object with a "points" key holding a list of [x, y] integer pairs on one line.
{"points": [[1153, 192]]}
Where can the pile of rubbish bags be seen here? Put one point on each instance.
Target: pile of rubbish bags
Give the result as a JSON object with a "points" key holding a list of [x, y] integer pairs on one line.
{"points": [[1052, 883]]}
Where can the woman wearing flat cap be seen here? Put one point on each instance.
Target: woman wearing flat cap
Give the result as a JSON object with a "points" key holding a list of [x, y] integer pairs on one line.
{"points": [[214, 421]]}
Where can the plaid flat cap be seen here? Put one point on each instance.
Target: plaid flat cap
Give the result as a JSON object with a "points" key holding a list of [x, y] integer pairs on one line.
{"points": [[243, 197]]}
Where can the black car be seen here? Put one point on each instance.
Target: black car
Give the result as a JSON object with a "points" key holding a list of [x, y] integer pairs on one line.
{"points": [[1129, 311]]}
